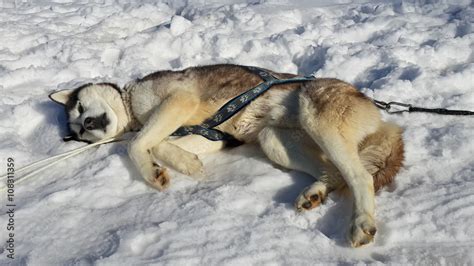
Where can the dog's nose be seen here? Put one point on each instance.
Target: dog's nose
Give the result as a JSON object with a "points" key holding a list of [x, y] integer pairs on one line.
{"points": [[89, 123], [98, 122]]}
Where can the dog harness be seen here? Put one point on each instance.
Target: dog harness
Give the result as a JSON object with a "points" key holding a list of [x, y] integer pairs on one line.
{"points": [[207, 128]]}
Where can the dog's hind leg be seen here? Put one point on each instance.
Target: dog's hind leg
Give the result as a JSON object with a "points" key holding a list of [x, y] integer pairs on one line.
{"points": [[179, 159], [294, 149], [197, 144], [181, 153], [338, 118]]}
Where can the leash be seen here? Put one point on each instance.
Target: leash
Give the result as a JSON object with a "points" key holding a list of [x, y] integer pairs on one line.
{"points": [[50, 161], [397, 108], [232, 107]]}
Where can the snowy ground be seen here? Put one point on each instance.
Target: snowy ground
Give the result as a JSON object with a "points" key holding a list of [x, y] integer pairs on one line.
{"points": [[94, 209]]}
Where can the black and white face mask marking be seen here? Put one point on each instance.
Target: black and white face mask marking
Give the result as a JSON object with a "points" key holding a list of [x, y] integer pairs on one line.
{"points": [[91, 110]]}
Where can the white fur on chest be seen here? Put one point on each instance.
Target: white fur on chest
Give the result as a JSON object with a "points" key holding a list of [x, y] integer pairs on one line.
{"points": [[143, 100]]}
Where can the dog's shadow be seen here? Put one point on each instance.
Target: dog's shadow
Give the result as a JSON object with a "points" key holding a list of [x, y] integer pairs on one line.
{"points": [[288, 195], [335, 223], [336, 219], [53, 114]]}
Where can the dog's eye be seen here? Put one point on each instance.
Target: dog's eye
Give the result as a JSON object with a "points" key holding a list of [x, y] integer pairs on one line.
{"points": [[80, 108]]}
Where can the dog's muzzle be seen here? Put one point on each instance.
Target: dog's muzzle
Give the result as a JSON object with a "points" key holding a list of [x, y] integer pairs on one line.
{"points": [[98, 122]]}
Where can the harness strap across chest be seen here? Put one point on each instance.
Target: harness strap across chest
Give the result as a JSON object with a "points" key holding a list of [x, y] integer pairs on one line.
{"points": [[232, 107]]}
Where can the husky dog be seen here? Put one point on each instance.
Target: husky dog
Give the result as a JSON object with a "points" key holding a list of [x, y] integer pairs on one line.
{"points": [[307, 126]]}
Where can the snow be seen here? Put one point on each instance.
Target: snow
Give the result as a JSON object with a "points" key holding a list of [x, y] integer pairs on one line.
{"points": [[95, 209]]}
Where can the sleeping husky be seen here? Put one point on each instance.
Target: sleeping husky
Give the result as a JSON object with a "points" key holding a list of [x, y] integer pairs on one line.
{"points": [[308, 126]]}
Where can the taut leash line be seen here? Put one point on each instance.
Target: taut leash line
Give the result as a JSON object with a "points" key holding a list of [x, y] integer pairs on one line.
{"points": [[52, 161], [46, 160]]}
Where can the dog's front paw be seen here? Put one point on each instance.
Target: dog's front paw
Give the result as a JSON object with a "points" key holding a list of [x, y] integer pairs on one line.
{"points": [[158, 177], [311, 197], [362, 230], [162, 178]]}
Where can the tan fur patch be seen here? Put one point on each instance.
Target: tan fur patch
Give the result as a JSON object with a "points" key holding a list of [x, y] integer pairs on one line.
{"points": [[393, 161]]}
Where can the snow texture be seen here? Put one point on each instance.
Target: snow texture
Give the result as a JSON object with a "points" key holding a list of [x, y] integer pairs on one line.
{"points": [[95, 209]]}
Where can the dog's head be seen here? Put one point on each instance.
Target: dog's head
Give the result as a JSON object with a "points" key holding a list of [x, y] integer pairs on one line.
{"points": [[95, 111]]}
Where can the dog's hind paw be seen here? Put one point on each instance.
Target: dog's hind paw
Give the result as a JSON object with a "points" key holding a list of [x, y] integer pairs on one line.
{"points": [[362, 230], [190, 165], [178, 159], [311, 197]]}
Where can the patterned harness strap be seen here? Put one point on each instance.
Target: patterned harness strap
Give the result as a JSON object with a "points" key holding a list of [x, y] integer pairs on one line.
{"points": [[232, 107]]}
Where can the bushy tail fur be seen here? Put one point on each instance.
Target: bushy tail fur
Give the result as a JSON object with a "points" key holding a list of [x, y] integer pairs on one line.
{"points": [[382, 154]]}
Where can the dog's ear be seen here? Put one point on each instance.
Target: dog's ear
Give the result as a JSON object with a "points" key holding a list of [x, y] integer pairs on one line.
{"points": [[60, 97]]}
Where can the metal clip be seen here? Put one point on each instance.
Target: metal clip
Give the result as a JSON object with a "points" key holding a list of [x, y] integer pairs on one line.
{"points": [[389, 107], [403, 105]]}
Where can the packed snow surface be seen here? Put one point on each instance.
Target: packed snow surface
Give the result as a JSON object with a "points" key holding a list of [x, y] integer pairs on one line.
{"points": [[95, 209]]}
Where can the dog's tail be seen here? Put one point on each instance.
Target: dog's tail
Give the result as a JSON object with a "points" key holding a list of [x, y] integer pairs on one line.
{"points": [[382, 154]]}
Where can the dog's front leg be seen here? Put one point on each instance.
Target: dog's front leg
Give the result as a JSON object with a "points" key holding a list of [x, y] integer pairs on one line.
{"points": [[172, 113]]}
